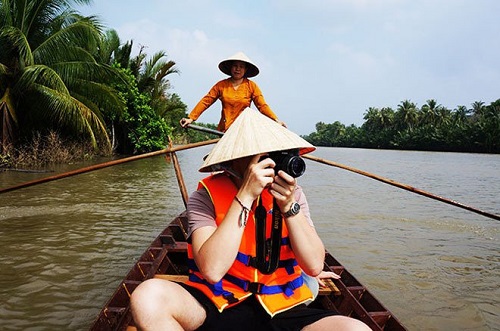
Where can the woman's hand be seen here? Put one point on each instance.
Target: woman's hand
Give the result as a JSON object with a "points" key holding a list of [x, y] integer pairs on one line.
{"points": [[258, 176], [283, 190], [281, 123], [326, 275], [185, 122]]}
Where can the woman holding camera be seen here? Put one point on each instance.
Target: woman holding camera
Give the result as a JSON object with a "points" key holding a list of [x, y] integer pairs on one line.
{"points": [[226, 290], [235, 93]]}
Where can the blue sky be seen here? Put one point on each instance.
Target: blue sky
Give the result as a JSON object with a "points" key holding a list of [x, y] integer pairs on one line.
{"points": [[323, 60]]}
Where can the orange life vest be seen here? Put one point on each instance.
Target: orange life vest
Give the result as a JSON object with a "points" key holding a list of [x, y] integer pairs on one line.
{"points": [[278, 291]]}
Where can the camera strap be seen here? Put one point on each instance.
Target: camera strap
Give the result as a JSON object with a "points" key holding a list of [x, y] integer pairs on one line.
{"points": [[268, 250]]}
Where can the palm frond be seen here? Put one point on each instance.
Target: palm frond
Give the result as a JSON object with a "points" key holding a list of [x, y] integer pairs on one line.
{"points": [[8, 106], [41, 75], [4, 70], [64, 109], [72, 71], [14, 39], [64, 43], [122, 54], [101, 94], [108, 45]]}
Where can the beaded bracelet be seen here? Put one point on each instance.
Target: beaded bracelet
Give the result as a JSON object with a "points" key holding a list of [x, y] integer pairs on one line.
{"points": [[244, 213]]}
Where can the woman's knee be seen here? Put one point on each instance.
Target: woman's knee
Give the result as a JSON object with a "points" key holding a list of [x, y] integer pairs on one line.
{"points": [[338, 322], [150, 294], [157, 302]]}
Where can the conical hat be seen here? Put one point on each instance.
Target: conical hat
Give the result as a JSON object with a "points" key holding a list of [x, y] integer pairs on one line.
{"points": [[225, 65], [250, 134]]}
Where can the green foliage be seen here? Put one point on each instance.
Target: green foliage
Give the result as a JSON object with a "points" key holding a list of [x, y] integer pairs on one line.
{"points": [[59, 72], [49, 78], [140, 129], [431, 127], [152, 113]]}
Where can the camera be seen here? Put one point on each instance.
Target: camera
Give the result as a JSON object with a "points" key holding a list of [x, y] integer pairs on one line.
{"points": [[289, 161]]}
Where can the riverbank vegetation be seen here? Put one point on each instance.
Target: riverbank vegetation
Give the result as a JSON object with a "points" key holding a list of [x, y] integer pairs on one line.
{"points": [[431, 127], [66, 81], [62, 73], [43, 150]]}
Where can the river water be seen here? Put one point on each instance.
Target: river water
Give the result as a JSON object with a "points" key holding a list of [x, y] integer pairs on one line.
{"points": [[65, 245]]}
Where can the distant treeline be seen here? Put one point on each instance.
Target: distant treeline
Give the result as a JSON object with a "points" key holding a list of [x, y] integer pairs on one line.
{"points": [[431, 127]]}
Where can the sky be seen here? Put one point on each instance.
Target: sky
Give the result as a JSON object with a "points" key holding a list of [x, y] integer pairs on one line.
{"points": [[322, 60]]}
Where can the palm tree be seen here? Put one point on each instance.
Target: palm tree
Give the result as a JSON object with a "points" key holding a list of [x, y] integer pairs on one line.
{"points": [[151, 75], [429, 112], [460, 116], [49, 76], [152, 78], [478, 108], [407, 115], [108, 46], [373, 122], [387, 117]]}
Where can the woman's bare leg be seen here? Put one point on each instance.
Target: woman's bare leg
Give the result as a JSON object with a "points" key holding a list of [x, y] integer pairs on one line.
{"points": [[159, 304]]}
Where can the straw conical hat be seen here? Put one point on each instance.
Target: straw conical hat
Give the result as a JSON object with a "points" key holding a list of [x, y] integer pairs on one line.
{"points": [[253, 133], [225, 65]]}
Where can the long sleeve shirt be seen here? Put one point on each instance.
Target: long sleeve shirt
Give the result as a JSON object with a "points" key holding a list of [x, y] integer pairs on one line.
{"points": [[234, 101]]}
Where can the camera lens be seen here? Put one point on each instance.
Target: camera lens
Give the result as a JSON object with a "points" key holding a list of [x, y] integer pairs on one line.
{"points": [[295, 166], [289, 161]]}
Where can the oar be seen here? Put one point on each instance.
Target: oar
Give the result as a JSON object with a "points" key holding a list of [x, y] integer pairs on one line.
{"points": [[107, 164], [204, 129], [379, 178], [403, 186], [178, 174]]}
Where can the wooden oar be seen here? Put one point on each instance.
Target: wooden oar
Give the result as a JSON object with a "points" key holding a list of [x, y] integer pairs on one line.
{"points": [[379, 178], [180, 179], [403, 186], [178, 173], [107, 164], [204, 129]]}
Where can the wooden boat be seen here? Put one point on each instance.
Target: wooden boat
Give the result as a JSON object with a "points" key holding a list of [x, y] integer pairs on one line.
{"points": [[166, 258]]}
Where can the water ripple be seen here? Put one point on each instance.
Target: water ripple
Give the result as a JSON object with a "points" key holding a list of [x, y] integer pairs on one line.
{"points": [[66, 245]]}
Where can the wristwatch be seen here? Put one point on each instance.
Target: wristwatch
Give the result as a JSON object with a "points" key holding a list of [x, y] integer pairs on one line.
{"points": [[294, 210]]}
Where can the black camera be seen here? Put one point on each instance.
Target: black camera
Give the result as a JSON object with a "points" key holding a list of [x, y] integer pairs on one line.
{"points": [[289, 161]]}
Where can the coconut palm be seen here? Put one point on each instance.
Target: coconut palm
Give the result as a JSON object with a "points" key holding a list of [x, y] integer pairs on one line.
{"points": [[407, 115], [373, 120], [151, 75], [478, 108], [429, 112], [49, 74], [152, 79]]}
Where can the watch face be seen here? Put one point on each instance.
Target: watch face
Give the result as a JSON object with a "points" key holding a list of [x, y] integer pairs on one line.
{"points": [[294, 210]]}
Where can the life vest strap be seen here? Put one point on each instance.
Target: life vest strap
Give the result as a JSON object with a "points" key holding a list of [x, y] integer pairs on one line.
{"points": [[259, 288], [252, 262], [216, 288]]}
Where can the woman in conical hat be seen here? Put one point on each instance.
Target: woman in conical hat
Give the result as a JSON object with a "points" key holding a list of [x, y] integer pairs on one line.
{"points": [[235, 93], [227, 289], [253, 134]]}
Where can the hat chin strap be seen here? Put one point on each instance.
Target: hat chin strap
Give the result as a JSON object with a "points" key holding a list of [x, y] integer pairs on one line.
{"points": [[225, 168]]}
